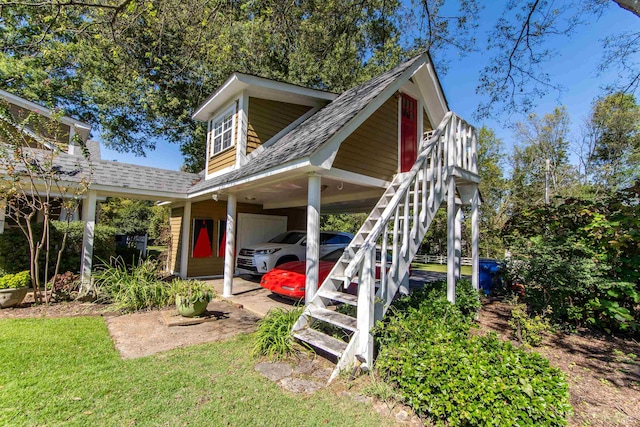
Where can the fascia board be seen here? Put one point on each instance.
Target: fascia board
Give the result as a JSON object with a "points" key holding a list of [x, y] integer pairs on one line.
{"points": [[295, 164]]}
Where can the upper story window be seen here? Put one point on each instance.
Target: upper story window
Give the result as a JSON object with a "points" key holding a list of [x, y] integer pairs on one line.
{"points": [[221, 133]]}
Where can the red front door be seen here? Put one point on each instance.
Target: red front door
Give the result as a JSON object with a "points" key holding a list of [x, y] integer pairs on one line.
{"points": [[408, 133]]}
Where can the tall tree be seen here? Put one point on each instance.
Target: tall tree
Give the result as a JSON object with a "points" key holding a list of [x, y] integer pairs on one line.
{"points": [[493, 189], [541, 139], [612, 142], [137, 68]]}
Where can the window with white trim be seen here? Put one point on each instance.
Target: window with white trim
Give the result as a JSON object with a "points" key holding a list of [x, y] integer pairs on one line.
{"points": [[221, 134]]}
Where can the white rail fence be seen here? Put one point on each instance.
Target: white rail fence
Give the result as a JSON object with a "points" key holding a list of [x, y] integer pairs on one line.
{"points": [[438, 259]]}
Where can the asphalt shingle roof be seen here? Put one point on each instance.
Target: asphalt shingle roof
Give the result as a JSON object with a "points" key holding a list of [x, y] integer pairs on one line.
{"points": [[310, 135], [116, 174]]}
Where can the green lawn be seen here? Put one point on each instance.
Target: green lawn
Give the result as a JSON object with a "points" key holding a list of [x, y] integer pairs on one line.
{"points": [[66, 372], [440, 268]]}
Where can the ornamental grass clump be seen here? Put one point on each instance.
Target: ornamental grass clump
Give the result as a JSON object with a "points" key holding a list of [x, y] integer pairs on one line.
{"points": [[132, 288], [273, 338], [451, 377]]}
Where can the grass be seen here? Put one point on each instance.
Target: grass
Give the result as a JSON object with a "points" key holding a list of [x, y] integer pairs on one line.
{"points": [[66, 372], [440, 268]]}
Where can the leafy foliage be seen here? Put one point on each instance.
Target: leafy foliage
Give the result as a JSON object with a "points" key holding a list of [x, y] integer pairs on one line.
{"points": [[15, 281], [528, 329], [130, 289], [65, 286], [14, 248], [137, 69], [273, 338], [580, 257], [453, 378], [192, 291]]}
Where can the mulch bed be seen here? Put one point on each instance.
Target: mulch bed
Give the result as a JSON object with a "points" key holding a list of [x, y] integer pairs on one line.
{"points": [[603, 374]]}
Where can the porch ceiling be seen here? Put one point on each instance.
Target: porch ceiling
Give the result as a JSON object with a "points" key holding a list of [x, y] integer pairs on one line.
{"points": [[337, 196]]}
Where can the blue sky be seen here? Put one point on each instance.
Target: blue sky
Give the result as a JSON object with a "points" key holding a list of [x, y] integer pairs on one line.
{"points": [[574, 68]]}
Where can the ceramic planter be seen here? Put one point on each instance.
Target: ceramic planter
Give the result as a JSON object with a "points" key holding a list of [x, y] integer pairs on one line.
{"points": [[12, 297], [190, 310]]}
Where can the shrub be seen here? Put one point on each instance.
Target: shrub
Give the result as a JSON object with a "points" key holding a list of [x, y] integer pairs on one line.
{"points": [[467, 298], [273, 338], [580, 257], [528, 329], [130, 289], [15, 281], [14, 248], [64, 287], [452, 377]]}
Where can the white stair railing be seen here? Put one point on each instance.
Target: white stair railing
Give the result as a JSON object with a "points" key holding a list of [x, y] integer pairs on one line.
{"points": [[394, 230]]}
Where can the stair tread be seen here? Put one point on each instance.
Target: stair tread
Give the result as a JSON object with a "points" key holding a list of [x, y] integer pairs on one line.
{"points": [[322, 341], [333, 317], [339, 296]]}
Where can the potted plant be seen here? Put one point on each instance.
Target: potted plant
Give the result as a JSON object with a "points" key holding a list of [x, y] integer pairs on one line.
{"points": [[192, 297], [13, 288]]}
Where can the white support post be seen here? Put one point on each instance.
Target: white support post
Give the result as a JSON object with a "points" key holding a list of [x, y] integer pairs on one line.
{"points": [[366, 308], [89, 218], [3, 207], [313, 237], [230, 249], [186, 247], [451, 240], [475, 238], [458, 229]]}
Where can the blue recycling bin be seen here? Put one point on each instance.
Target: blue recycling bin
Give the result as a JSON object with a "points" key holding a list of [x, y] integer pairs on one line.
{"points": [[489, 274]]}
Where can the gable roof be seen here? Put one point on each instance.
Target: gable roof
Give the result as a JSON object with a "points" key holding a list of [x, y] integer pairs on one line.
{"points": [[307, 138], [83, 129]]}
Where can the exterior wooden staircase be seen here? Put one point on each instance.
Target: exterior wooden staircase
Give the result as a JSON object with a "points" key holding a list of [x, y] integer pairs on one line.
{"points": [[387, 242]]}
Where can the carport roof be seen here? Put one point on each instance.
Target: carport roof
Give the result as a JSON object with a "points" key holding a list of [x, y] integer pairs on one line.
{"points": [[128, 178]]}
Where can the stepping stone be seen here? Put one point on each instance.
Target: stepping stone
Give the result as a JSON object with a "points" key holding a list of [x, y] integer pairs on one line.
{"points": [[275, 371], [297, 385]]}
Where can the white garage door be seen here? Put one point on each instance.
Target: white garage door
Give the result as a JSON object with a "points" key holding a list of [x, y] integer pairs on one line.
{"points": [[254, 229]]}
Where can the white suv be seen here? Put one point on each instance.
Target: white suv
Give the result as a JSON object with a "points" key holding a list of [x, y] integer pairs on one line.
{"points": [[286, 247]]}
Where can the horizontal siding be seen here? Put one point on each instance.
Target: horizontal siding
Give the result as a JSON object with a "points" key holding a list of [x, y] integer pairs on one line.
{"points": [[266, 118], [222, 160], [175, 228], [372, 149], [217, 211], [48, 128], [226, 158]]}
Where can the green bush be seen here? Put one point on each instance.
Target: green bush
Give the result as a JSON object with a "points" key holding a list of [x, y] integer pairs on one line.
{"points": [[15, 281], [528, 329], [132, 288], [452, 377], [581, 258], [14, 248], [273, 338], [467, 298]]}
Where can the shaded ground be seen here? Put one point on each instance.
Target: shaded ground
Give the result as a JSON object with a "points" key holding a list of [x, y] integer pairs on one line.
{"points": [[603, 372]]}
